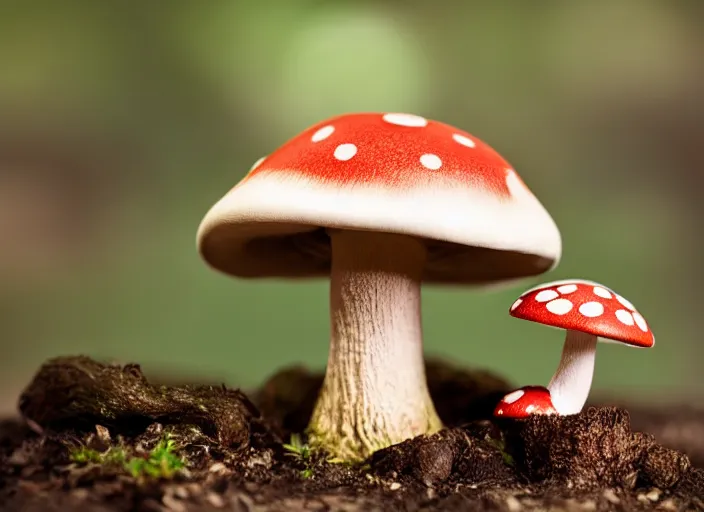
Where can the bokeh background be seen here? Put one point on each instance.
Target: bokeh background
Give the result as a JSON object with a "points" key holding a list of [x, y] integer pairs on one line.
{"points": [[122, 122]]}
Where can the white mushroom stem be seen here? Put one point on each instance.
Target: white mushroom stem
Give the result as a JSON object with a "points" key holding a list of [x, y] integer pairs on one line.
{"points": [[375, 392], [570, 385]]}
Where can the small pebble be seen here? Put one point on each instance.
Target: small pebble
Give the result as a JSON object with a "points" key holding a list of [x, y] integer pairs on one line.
{"points": [[611, 497], [218, 467], [573, 504], [181, 492], [80, 494], [18, 458], [395, 486], [103, 433], [668, 504], [653, 495], [245, 501], [172, 503], [513, 504], [194, 489], [215, 500]]}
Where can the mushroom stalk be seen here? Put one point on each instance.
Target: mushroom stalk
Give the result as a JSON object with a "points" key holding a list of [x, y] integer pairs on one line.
{"points": [[375, 392], [570, 385]]}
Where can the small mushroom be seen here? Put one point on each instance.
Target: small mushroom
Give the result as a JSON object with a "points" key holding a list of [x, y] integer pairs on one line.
{"points": [[524, 402], [379, 203], [588, 311]]}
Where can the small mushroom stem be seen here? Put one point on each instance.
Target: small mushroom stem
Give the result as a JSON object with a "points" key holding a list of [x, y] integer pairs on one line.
{"points": [[570, 385], [375, 392]]}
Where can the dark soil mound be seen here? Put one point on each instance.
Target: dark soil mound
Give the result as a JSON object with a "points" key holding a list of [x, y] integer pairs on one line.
{"points": [[97, 438]]}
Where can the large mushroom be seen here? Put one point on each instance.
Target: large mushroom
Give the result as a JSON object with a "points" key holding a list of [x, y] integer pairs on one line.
{"points": [[588, 311], [379, 202]]}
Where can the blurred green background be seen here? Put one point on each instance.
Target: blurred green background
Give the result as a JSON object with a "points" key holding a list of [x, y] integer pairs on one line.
{"points": [[122, 122]]}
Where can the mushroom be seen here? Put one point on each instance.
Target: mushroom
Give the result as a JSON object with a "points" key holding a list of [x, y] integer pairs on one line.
{"points": [[379, 202], [524, 402], [588, 311]]}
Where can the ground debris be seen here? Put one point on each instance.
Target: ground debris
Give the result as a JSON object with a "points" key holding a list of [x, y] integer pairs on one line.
{"points": [[206, 448]]}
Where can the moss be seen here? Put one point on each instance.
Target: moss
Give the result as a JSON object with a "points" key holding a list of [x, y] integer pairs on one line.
{"points": [[84, 455], [341, 448], [160, 462]]}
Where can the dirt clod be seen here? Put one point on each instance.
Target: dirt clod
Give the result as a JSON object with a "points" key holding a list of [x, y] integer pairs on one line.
{"points": [[663, 467], [101, 437], [80, 392], [595, 448], [425, 459]]}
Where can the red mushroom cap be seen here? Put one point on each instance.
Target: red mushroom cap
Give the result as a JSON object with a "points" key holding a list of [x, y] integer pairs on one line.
{"points": [[584, 306], [389, 150], [395, 173], [524, 402]]}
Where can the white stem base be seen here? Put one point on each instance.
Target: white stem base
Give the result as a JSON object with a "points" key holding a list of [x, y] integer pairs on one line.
{"points": [[570, 385], [375, 392]]}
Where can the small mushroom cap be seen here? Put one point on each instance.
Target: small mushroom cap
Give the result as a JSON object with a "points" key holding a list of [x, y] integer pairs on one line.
{"points": [[394, 173], [524, 402], [585, 306]]}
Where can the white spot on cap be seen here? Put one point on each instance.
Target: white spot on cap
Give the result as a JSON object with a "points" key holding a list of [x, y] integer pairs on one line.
{"points": [[530, 409], [546, 295], [465, 141], [624, 317], [513, 396], [567, 288], [559, 306], [500, 412], [516, 304], [323, 133], [625, 302], [406, 120], [591, 309], [602, 292], [257, 163], [345, 151], [640, 322], [431, 161]]}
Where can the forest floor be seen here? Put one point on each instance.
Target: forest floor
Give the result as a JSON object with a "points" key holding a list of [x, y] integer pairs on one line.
{"points": [[96, 437]]}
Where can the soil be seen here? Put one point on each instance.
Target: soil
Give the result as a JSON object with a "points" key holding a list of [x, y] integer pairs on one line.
{"points": [[95, 437]]}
